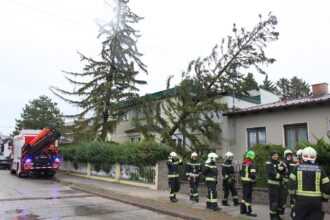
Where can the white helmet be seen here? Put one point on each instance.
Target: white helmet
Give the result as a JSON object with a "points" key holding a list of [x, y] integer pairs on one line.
{"points": [[229, 154], [173, 154], [212, 157], [299, 153], [309, 154], [286, 152], [194, 154]]}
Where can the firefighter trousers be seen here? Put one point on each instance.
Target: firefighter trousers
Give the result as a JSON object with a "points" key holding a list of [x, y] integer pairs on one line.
{"points": [[247, 197], [274, 199], [194, 183], [308, 209], [174, 185], [211, 201], [227, 188]]}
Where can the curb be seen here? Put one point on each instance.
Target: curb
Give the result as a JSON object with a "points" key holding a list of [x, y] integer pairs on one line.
{"points": [[155, 209]]}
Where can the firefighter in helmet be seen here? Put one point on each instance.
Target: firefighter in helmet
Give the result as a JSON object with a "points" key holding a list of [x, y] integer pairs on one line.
{"points": [[229, 180], [309, 186], [248, 178], [173, 164], [299, 156], [275, 173], [290, 164], [193, 170], [210, 172]]}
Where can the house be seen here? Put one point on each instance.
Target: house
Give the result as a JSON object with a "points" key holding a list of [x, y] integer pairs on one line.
{"points": [[284, 122], [126, 132]]}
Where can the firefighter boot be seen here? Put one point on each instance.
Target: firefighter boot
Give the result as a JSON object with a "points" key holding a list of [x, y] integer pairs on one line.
{"points": [[250, 213], [273, 217], [173, 199], [243, 208], [191, 197], [236, 202], [216, 208], [225, 203]]}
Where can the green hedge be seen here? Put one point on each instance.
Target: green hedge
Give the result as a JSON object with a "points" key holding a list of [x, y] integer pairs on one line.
{"points": [[103, 154], [262, 153]]}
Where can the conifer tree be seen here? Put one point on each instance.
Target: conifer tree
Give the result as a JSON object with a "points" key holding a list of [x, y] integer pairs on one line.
{"points": [[193, 107], [107, 81]]}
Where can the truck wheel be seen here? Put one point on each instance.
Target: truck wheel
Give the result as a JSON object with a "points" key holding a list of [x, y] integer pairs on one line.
{"points": [[12, 171]]}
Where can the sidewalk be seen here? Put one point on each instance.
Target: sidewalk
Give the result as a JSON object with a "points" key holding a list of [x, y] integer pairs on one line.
{"points": [[158, 201]]}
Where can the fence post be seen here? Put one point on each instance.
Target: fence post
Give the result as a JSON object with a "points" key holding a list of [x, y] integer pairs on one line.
{"points": [[89, 169], [68, 167], [117, 174], [156, 175]]}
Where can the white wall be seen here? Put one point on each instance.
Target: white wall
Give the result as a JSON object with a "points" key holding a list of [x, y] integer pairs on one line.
{"points": [[235, 136]]}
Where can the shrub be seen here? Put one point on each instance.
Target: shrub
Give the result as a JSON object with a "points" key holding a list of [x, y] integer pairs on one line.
{"points": [[262, 155], [104, 154]]}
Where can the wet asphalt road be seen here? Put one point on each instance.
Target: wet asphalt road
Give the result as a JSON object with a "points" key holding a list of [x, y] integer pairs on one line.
{"points": [[37, 198]]}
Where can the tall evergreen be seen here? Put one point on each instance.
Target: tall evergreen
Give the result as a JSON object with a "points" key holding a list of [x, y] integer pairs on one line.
{"points": [[293, 88], [269, 85], [107, 81], [193, 107]]}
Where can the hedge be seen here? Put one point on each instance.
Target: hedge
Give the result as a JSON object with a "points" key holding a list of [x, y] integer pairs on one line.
{"points": [[104, 153], [262, 155]]}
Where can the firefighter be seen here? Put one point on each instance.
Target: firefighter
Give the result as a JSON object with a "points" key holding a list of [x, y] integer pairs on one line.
{"points": [[248, 178], [310, 186], [229, 180], [173, 175], [299, 156], [193, 171], [290, 164], [210, 172], [275, 174]]}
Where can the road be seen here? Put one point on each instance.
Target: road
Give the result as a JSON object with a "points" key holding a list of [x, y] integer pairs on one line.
{"points": [[38, 198]]}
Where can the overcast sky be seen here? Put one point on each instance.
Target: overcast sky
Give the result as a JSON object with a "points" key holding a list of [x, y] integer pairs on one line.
{"points": [[40, 38]]}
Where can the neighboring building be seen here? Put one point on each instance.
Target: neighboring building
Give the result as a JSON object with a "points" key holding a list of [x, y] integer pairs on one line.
{"points": [[283, 122], [126, 132], [4, 145]]}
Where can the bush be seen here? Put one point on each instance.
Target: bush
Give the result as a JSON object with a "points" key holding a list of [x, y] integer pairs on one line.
{"points": [[323, 152], [262, 153], [103, 154]]}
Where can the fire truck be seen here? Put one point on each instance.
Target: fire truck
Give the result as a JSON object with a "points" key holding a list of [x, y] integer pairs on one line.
{"points": [[35, 152]]}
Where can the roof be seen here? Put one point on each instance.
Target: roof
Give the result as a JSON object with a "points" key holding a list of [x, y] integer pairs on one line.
{"points": [[283, 104], [172, 92]]}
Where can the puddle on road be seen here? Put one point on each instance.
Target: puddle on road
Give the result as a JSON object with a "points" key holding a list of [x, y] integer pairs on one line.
{"points": [[90, 210]]}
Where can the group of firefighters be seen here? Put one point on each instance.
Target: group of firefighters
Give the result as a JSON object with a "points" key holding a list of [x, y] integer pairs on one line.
{"points": [[303, 181]]}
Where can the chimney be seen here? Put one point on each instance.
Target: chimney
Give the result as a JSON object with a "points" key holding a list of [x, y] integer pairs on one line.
{"points": [[320, 89]]}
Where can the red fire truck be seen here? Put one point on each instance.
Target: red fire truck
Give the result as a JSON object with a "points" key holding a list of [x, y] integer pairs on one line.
{"points": [[35, 152]]}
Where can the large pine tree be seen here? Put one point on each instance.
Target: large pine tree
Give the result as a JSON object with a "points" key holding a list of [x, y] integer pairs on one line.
{"points": [[192, 107], [293, 88], [107, 81]]}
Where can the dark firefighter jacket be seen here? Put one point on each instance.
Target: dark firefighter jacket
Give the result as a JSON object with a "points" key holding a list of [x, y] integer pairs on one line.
{"points": [[274, 175], [173, 168], [228, 171], [193, 168], [248, 171], [309, 181], [290, 164], [210, 171]]}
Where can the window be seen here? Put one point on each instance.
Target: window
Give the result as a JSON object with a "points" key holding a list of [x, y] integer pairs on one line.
{"points": [[256, 136], [294, 133], [124, 117], [135, 139]]}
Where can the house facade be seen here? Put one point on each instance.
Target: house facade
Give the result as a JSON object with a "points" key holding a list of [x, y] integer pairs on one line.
{"points": [[283, 122], [126, 132]]}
